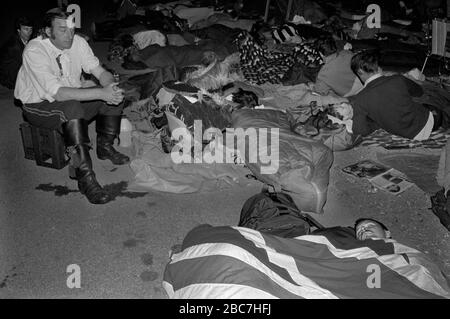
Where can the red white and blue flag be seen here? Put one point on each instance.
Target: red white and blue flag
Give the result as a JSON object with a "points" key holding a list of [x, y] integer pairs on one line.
{"points": [[240, 263]]}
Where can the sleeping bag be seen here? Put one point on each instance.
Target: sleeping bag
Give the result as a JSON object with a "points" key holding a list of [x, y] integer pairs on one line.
{"points": [[303, 163]]}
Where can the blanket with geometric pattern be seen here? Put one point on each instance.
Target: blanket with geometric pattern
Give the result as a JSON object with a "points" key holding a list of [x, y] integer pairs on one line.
{"points": [[437, 140]]}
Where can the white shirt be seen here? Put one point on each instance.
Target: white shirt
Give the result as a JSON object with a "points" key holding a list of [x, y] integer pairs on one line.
{"points": [[373, 78], [40, 76], [427, 129]]}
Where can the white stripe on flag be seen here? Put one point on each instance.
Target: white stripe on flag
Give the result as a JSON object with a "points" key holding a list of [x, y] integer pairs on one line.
{"points": [[417, 274], [421, 271], [221, 291], [307, 289], [169, 289], [283, 261]]}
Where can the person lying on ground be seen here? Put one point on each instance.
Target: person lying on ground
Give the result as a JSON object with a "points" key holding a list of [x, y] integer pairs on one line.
{"points": [[369, 232]]}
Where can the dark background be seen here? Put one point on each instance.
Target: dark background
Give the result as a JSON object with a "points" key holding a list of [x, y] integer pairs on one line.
{"points": [[36, 9], [94, 10]]}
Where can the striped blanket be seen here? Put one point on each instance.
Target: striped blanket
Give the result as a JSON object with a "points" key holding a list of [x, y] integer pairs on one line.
{"points": [[380, 137], [234, 262]]}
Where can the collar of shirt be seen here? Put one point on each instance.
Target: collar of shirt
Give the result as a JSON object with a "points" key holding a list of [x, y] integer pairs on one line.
{"points": [[61, 56], [373, 78], [51, 47]]}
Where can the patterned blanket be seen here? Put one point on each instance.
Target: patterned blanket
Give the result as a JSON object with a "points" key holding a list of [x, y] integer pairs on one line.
{"points": [[260, 65], [437, 140]]}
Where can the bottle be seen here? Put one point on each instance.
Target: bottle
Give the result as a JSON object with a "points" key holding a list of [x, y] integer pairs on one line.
{"points": [[125, 132]]}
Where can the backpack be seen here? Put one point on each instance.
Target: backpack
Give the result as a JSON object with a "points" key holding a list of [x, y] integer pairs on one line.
{"points": [[275, 214]]}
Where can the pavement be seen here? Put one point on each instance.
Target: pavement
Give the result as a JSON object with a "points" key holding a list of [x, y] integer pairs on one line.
{"points": [[122, 248]]}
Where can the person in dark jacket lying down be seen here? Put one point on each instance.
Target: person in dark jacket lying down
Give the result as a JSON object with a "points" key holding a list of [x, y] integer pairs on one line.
{"points": [[388, 102]]}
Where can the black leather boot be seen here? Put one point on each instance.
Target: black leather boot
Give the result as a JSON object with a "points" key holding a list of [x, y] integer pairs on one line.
{"points": [[108, 129], [77, 141]]}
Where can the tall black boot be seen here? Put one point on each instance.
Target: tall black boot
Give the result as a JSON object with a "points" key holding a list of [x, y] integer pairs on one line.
{"points": [[77, 141], [108, 129]]}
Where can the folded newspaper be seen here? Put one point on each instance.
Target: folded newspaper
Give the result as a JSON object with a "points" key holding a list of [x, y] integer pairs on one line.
{"points": [[380, 176]]}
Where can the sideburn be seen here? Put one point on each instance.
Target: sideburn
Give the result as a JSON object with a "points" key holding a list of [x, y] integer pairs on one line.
{"points": [[50, 34]]}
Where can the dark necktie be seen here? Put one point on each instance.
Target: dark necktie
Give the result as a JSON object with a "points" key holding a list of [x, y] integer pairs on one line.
{"points": [[58, 60]]}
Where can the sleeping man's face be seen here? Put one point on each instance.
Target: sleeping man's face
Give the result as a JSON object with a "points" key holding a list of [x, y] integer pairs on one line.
{"points": [[369, 229]]}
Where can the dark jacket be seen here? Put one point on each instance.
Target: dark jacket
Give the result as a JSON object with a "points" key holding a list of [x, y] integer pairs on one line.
{"points": [[10, 61], [387, 103]]}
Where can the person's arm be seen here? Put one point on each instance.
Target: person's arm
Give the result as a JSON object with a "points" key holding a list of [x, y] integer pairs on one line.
{"points": [[109, 94], [362, 125], [91, 64], [104, 77], [37, 64]]}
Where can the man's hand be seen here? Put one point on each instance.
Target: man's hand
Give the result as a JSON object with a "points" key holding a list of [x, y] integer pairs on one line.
{"points": [[112, 94]]}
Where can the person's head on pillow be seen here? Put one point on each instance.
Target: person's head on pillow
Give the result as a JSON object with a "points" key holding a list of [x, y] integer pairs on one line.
{"points": [[365, 64], [368, 228]]}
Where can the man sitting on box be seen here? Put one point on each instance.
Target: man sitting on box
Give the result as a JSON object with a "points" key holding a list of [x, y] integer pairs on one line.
{"points": [[50, 88]]}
